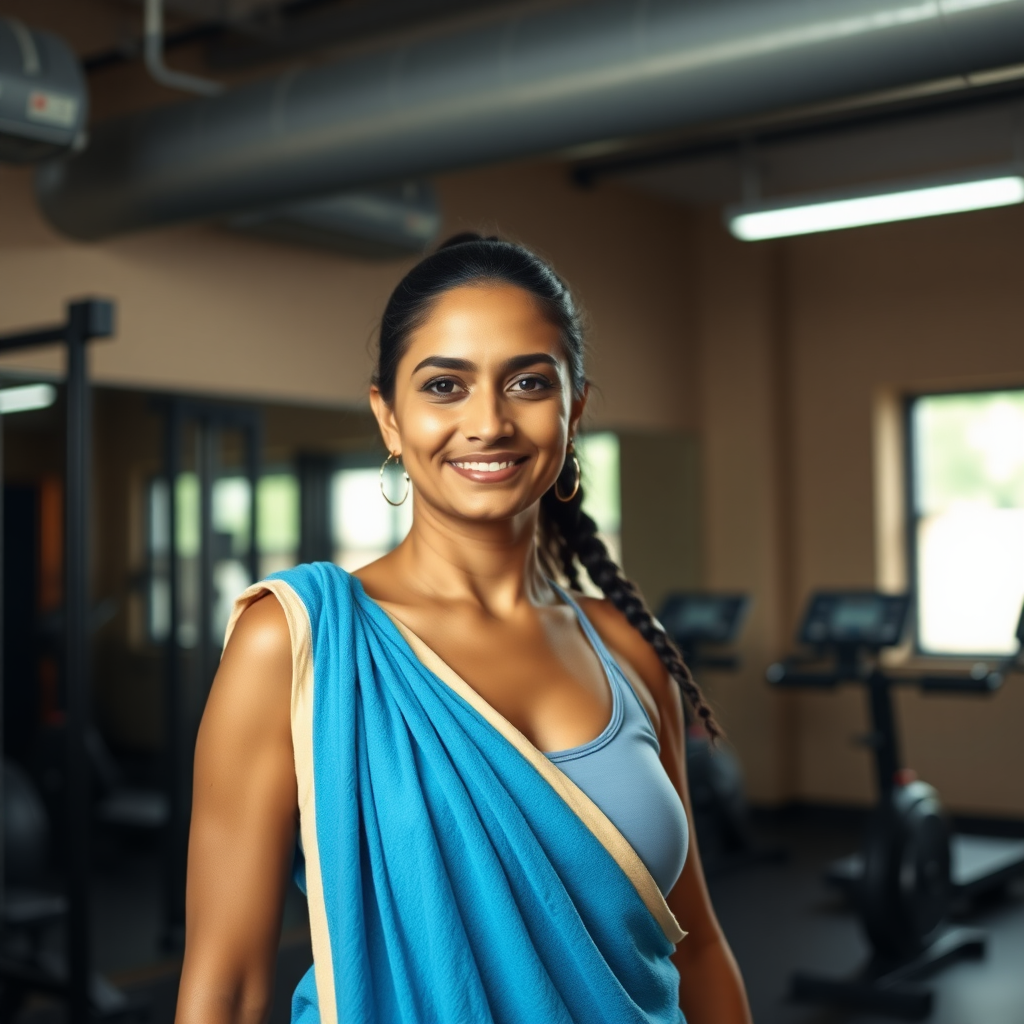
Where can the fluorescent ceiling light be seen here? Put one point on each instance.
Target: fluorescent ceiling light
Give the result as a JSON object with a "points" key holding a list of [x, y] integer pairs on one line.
{"points": [[26, 397], [808, 215]]}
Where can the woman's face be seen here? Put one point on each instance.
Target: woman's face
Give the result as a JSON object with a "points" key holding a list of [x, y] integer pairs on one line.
{"points": [[483, 406]]}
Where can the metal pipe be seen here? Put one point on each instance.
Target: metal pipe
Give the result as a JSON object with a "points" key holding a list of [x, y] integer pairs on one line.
{"points": [[31, 65], [177, 734], [520, 84], [883, 733], [253, 446], [208, 440], [153, 51], [3, 865], [76, 646], [315, 507]]}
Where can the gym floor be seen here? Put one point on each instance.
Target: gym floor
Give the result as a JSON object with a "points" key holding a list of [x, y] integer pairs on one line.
{"points": [[778, 916]]}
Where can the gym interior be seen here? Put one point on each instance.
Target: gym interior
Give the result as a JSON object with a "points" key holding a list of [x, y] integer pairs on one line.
{"points": [[795, 232]]}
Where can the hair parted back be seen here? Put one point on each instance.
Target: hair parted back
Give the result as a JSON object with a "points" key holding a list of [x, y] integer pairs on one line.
{"points": [[568, 536]]}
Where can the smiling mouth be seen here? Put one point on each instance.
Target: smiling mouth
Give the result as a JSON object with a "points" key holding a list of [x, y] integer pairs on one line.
{"points": [[489, 471], [486, 467]]}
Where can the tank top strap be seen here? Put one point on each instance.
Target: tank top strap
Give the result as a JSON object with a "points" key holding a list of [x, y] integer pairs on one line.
{"points": [[591, 634], [616, 677]]}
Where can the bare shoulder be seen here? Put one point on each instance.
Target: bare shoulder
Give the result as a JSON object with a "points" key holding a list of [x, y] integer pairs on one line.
{"points": [[255, 674], [616, 632], [261, 631]]}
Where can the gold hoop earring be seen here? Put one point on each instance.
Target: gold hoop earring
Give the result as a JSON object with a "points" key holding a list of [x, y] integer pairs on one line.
{"points": [[408, 484], [570, 452]]}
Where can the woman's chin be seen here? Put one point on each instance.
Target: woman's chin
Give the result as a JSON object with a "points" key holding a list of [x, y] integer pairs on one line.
{"points": [[491, 508]]}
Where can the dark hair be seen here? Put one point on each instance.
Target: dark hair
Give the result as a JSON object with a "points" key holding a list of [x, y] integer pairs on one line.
{"points": [[567, 534]]}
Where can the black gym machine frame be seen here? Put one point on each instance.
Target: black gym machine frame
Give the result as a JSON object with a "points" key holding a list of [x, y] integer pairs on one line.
{"points": [[87, 319], [903, 882], [706, 627], [184, 703]]}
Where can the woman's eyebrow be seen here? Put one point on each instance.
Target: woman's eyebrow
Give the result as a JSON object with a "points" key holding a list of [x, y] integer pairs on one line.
{"points": [[521, 362], [445, 363], [467, 365]]}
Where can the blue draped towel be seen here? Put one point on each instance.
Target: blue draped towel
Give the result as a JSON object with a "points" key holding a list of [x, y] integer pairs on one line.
{"points": [[454, 875]]}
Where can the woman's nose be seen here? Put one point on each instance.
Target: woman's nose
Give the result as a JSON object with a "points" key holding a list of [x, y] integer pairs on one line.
{"points": [[486, 417]]}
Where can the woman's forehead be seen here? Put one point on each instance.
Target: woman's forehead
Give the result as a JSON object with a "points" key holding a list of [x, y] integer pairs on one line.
{"points": [[485, 323]]}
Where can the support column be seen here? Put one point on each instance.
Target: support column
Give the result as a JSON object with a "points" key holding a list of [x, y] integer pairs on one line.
{"points": [[745, 377], [77, 662]]}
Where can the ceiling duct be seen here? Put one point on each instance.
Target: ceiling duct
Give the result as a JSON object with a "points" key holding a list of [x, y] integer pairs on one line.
{"points": [[43, 98], [389, 221], [520, 84]]}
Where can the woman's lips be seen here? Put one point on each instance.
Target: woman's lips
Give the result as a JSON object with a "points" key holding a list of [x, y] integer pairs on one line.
{"points": [[488, 471]]}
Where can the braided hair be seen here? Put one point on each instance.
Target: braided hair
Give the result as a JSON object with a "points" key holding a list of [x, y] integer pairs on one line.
{"points": [[568, 537]]}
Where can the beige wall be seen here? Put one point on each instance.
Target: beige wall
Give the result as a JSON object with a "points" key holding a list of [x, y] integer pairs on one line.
{"points": [[201, 309], [629, 260], [772, 354], [743, 490], [798, 342], [204, 310], [661, 513]]}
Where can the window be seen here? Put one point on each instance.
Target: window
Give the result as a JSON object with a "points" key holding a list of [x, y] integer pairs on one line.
{"points": [[967, 530], [277, 498], [599, 462], [363, 525]]}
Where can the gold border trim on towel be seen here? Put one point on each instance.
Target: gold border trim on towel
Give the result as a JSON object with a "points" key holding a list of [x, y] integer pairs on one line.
{"points": [[301, 634], [579, 803]]}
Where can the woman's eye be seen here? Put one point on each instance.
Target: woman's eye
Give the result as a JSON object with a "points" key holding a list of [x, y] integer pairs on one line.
{"points": [[528, 384], [442, 386]]}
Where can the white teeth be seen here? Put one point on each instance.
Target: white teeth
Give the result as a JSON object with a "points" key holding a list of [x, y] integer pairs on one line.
{"points": [[483, 467]]}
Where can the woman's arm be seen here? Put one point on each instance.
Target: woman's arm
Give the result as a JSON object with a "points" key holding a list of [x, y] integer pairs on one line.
{"points": [[243, 827], [711, 989]]}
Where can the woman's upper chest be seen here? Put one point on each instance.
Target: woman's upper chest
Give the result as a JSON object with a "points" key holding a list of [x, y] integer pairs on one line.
{"points": [[536, 668]]}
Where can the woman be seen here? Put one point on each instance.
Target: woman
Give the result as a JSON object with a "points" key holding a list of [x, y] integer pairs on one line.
{"points": [[486, 772]]}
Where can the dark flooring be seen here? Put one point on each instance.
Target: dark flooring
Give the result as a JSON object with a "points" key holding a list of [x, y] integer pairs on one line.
{"points": [[128, 945], [778, 916]]}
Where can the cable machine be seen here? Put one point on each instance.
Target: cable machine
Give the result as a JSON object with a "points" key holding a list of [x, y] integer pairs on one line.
{"points": [[87, 319]]}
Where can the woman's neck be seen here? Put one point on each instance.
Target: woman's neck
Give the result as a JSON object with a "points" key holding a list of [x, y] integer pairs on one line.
{"points": [[493, 564]]}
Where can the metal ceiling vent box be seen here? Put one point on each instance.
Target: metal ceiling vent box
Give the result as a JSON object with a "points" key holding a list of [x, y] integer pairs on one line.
{"points": [[43, 98]]}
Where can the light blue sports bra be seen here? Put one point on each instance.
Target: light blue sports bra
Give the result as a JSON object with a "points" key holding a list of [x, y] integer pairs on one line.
{"points": [[622, 773]]}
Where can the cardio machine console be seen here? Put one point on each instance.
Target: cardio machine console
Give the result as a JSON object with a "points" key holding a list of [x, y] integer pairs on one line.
{"points": [[861, 618], [691, 618]]}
